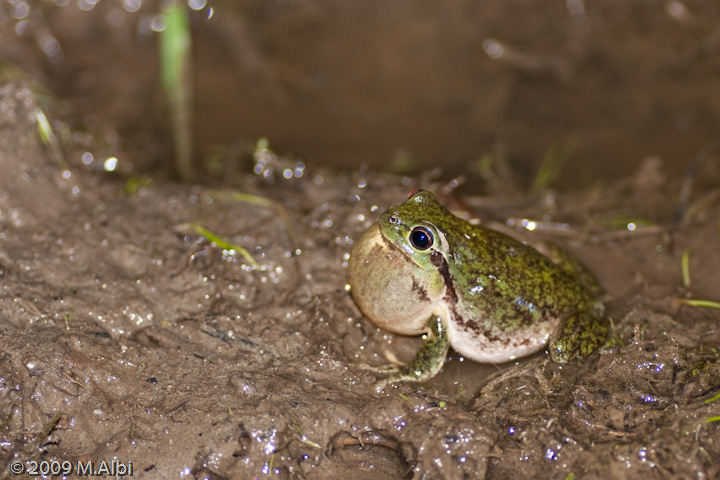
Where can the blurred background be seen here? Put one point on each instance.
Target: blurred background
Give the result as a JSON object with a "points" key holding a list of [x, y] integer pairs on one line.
{"points": [[403, 86]]}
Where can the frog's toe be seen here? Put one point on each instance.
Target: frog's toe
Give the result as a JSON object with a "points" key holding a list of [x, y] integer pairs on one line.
{"points": [[400, 375], [382, 384], [389, 369], [559, 353]]}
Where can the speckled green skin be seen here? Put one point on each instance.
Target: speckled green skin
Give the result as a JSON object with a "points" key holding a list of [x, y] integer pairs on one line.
{"points": [[489, 296]]}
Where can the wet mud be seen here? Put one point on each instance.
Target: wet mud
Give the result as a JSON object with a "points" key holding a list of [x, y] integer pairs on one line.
{"points": [[126, 336]]}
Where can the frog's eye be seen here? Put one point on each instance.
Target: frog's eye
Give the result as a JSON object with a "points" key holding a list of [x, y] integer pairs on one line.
{"points": [[421, 238]]}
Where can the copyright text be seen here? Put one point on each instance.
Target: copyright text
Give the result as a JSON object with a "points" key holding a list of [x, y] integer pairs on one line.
{"points": [[113, 468]]}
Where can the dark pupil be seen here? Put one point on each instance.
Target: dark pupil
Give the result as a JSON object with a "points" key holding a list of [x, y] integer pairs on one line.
{"points": [[421, 238]]}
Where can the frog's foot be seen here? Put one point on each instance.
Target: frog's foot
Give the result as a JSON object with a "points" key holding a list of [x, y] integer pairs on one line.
{"points": [[579, 337], [395, 374], [389, 369], [400, 375], [428, 361]]}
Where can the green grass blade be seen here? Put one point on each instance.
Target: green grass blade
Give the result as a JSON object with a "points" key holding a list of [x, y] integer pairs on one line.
{"points": [[698, 303], [48, 138], [685, 265], [176, 61], [223, 243]]}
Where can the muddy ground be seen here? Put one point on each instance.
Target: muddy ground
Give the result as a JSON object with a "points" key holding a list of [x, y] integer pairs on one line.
{"points": [[126, 335]]}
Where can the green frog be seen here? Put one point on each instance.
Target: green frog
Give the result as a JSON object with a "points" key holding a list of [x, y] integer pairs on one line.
{"points": [[422, 270]]}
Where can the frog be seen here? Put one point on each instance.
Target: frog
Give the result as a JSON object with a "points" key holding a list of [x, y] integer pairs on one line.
{"points": [[421, 270]]}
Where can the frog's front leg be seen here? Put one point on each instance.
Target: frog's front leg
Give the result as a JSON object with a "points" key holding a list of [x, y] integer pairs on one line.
{"points": [[429, 359], [581, 334]]}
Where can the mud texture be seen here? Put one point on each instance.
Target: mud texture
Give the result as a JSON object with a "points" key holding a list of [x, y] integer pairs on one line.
{"points": [[125, 335]]}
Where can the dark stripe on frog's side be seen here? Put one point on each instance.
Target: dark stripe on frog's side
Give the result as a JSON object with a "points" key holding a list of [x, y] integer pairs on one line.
{"points": [[420, 291], [451, 295], [440, 263], [492, 326]]}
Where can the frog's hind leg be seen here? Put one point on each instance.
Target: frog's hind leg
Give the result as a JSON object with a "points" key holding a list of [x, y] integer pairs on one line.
{"points": [[429, 359], [580, 335], [572, 266]]}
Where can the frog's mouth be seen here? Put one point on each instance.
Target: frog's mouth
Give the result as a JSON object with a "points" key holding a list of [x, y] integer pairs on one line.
{"points": [[396, 245]]}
